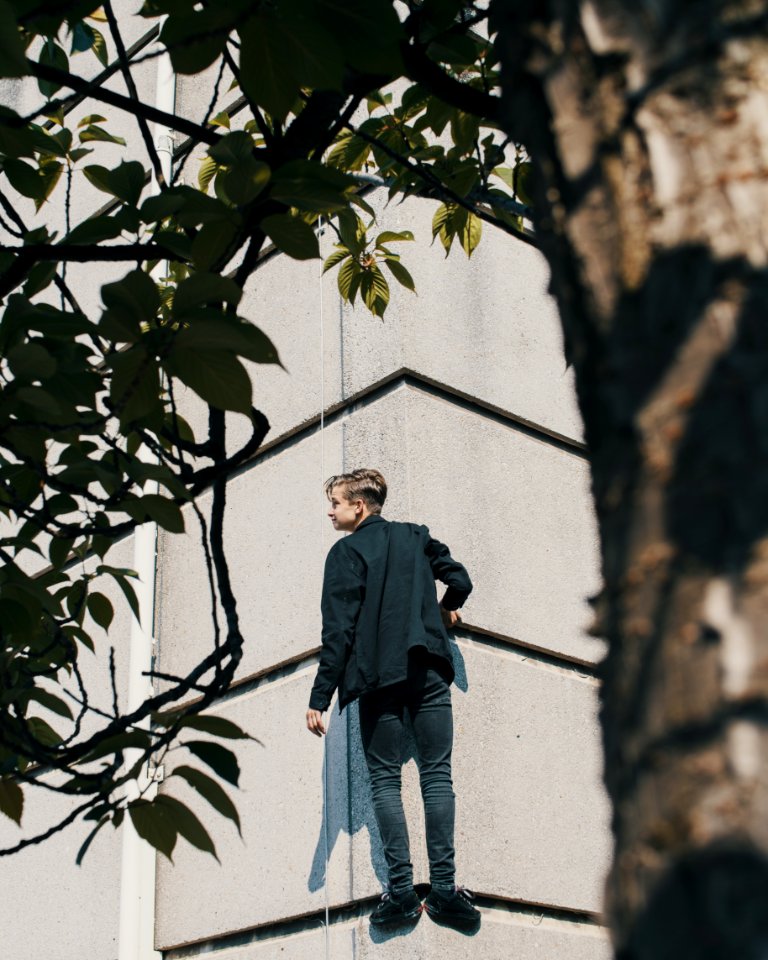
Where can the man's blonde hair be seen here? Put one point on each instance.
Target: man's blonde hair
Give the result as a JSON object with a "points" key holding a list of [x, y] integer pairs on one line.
{"points": [[364, 484]]}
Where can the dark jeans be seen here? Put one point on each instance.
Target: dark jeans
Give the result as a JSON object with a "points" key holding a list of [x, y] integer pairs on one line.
{"points": [[427, 697]]}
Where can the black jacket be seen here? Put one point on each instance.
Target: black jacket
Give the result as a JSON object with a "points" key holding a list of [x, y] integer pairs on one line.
{"points": [[378, 603]]}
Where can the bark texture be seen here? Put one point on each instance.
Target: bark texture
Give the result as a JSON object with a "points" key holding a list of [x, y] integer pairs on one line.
{"points": [[648, 124]]}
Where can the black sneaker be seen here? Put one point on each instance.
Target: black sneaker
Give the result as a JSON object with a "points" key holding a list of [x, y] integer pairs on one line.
{"points": [[452, 909], [397, 908]]}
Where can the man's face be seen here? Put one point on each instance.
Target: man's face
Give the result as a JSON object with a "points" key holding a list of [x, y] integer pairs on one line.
{"points": [[344, 513]]}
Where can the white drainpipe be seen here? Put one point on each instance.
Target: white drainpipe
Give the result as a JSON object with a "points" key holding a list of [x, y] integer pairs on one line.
{"points": [[137, 882]]}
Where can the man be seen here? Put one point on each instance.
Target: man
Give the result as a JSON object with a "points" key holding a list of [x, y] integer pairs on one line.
{"points": [[384, 641]]}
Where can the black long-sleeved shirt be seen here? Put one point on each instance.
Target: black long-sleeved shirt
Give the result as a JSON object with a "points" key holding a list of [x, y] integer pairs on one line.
{"points": [[378, 603]]}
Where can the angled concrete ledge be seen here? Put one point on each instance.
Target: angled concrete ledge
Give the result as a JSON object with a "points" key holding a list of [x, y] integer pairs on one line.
{"points": [[505, 931]]}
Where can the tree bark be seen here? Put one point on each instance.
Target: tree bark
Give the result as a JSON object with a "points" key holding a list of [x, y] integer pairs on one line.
{"points": [[648, 126]]}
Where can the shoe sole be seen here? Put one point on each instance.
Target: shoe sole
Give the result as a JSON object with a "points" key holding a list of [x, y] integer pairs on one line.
{"points": [[464, 922], [403, 918]]}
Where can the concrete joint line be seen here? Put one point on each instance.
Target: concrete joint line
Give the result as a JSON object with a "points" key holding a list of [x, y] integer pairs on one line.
{"points": [[405, 377], [468, 635], [351, 913], [535, 655]]}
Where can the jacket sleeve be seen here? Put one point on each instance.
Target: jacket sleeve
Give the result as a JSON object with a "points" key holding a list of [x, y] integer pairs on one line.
{"points": [[343, 592], [448, 571]]}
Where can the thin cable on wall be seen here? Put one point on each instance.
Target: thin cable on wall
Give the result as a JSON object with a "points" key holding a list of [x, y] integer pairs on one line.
{"points": [[322, 555]]}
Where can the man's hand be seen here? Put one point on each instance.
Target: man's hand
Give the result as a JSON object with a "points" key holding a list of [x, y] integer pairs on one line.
{"points": [[315, 722], [450, 617]]}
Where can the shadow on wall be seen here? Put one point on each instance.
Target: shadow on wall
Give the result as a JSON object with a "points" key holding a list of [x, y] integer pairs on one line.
{"points": [[345, 809]]}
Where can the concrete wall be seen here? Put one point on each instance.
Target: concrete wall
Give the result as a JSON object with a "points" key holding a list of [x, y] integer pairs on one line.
{"points": [[462, 398]]}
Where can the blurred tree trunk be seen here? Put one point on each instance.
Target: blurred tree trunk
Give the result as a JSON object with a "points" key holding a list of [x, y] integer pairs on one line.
{"points": [[648, 125]]}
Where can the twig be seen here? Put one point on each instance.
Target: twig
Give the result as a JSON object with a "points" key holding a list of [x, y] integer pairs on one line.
{"points": [[103, 95], [125, 69]]}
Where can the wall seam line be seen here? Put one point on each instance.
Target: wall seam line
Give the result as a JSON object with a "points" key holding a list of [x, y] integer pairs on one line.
{"points": [[344, 914]]}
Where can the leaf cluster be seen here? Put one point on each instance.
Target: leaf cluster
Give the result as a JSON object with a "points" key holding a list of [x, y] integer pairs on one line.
{"points": [[92, 442]]}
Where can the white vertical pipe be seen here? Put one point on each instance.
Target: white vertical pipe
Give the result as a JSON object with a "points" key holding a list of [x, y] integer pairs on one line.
{"points": [[138, 865]]}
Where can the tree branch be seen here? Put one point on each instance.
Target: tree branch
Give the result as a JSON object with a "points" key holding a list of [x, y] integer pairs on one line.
{"points": [[137, 108], [439, 190], [421, 69], [125, 69]]}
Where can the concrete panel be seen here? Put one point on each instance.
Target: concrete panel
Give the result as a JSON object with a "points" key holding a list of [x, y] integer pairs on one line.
{"points": [[278, 869], [531, 820], [52, 908], [283, 299], [503, 934], [532, 814], [530, 518], [276, 537], [514, 509], [486, 326], [51, 895]]}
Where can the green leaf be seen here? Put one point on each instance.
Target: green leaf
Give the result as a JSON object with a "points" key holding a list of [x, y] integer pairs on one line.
{"points": [[369, 33], [400, 274], [13, 61], [30, 361], [11, 795], [125, 182], [352, 231], [133, 300], [155, 824], [95, 230], [37, 183], [336, 257], [243, 182], [93, 132], [43, 732], [375, 291], [292, 235], [389, 236], [135, 387], [204, 288], [280, 55], [216, 376], [91, 118], [350, 270], [51, 55], [206, 173], [217, 726], [187, 824], [349, 152], [100, 608], [224, 332], [220, 759], [522, 185], [39, 277], [309, 185], [210, 790], [471, 233], [220, 120], [82, 37], [158, 509], [215, 243], [196, 38], [99, 47]]}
